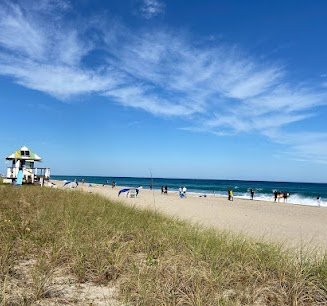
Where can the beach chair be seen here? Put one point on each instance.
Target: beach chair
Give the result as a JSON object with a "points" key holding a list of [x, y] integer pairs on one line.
{"points": [[132, 193]]}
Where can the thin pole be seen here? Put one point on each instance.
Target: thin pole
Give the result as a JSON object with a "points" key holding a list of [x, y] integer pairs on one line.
{"points": [[154, 199]]}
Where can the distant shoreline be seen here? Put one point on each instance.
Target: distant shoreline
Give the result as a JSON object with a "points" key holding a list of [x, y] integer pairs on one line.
{"points": [[301, 193]]}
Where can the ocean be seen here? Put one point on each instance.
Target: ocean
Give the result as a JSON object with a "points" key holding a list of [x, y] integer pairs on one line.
{"points": [[301, 193]]}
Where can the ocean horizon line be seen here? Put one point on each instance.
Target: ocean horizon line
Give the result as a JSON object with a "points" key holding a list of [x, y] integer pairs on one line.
{"points": [[184, 178]]}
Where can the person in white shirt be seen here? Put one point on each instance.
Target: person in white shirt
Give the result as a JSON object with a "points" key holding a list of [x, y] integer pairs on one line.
{"points": [[184, 191]]}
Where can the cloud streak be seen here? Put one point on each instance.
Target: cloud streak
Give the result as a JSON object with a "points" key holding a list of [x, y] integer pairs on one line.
{"points": [[306, 146], [151, 8], [219, 89]]}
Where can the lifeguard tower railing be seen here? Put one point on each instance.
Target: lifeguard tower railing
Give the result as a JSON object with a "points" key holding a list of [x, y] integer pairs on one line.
{"points": [[30, 174]]}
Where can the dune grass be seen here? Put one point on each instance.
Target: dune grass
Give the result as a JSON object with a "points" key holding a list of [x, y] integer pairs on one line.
{"points": [[151, 259]]}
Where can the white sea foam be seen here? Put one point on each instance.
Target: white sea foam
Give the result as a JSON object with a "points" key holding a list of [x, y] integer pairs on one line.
{"points": [[295, 199]]}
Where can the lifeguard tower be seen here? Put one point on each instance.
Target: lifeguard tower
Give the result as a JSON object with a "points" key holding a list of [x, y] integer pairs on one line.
{"points": [[24, 159]]}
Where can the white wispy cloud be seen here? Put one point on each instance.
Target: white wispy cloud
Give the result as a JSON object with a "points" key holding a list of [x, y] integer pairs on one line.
{"points": [[39, 54], [151, 8], [217, 88], [18, 33], [305, 146]]}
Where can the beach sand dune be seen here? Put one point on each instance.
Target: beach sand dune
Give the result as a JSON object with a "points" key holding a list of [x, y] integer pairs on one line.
{"points": [[289, 224]]}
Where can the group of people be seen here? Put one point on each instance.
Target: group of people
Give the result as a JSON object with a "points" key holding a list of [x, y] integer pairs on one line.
{"points": [[164, 189], [182, 192], [113, 184], [281, 195], [230, 194]]}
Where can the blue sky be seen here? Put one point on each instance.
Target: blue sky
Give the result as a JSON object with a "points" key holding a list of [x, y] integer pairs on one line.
{"points": [[198, 89]]}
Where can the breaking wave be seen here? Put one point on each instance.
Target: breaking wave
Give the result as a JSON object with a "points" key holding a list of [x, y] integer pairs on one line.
{"points": [[295, 199]]}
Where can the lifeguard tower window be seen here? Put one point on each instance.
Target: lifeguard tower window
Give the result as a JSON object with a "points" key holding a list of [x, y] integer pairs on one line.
{"points": [[25, 153], [29, 164]]}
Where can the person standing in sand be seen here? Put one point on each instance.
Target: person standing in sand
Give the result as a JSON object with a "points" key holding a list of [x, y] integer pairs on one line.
{"points": [[180, 190], [184, 191], [231, 195], [162, 189], [275, 195], [252, 193]]}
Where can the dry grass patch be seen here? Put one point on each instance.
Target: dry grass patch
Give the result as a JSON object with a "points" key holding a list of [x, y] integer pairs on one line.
{"points": [[150, 259]]}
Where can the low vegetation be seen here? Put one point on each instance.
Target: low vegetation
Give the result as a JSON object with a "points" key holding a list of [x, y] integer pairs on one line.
{"points": [[150, 259]]}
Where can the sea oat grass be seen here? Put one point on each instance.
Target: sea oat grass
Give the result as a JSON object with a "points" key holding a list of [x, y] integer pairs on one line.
{"points": [[154, 260]]}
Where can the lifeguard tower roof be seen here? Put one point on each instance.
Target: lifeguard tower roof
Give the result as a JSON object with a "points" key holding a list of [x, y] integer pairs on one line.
{"points": [[24, 153]]}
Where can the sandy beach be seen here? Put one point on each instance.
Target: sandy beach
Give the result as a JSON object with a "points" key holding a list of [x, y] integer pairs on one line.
{"points": [[291, 225]]}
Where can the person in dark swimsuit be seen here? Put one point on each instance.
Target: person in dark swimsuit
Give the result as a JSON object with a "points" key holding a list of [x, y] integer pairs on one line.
{"points": [[252, 193]]}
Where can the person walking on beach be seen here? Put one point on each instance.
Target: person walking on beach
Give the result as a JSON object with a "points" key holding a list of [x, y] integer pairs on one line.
{"points": [[162, 189], [113, 184], [318, 200], [166, 189], [252, 193]]}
